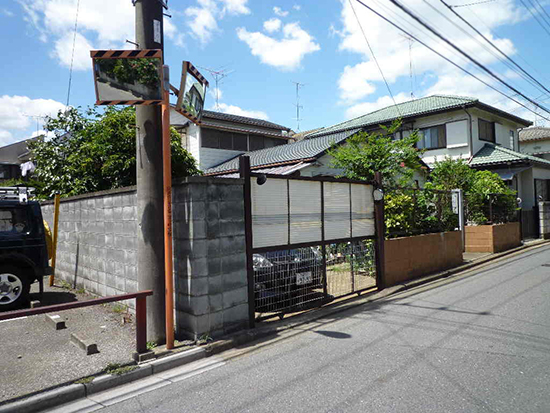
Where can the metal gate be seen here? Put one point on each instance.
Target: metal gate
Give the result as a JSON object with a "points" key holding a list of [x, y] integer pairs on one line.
{"points": [[309, 240]]}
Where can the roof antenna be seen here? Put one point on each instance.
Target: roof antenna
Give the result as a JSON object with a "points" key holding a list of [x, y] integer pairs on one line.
{"points": [[298, 106], [411, 73], [218, 76]]}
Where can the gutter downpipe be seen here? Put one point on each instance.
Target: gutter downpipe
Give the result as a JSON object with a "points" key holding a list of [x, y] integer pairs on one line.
{"points": [[470, 138]]}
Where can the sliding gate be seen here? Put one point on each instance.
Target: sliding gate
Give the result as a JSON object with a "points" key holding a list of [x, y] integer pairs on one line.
{"points": [[309, 241]]}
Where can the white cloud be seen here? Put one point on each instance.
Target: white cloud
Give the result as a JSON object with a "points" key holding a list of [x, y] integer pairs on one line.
{"points": [[279, 12], [63, 51], [235, 6], [54, 21], [360, 80], [17, 115], [272, 25], [215, 92], [297, 7], [235, 110], [286, 53], [7, 13], [360, 109]]}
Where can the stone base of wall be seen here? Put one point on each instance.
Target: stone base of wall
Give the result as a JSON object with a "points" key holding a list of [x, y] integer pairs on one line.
{"points": [[493, 238], [412, 257]]}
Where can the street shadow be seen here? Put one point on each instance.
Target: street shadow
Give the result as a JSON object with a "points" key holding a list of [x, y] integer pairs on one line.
{"points": [[55, 295], [332, 334]]}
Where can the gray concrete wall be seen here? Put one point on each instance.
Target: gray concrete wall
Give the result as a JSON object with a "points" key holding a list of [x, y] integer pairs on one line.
{"points": [[97, 250], [96, 247], [209, 257], [544, 216]]}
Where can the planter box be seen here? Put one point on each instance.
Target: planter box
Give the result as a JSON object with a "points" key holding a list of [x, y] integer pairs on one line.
{"points": [[492, 238], [412, 257]]}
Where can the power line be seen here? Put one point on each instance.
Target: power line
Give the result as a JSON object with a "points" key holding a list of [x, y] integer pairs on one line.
{"points": [[446, 58], [473, 4], [374, 57], [72, 55], [495, 46], [544, 14], [542, 8], [535, 16], [475, 61]]}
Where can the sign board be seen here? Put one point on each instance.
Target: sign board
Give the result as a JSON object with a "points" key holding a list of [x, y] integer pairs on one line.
{"points": [[128, 77], [192, 93], [454, 201]]}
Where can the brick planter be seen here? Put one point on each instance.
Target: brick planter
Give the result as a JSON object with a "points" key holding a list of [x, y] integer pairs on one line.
{"points": [[492, 238], [412, 257]]}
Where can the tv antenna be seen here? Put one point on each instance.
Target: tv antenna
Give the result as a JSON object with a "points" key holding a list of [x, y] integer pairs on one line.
{"points": [[218, 76], [37, 117], [298, 106], [411, 72]]}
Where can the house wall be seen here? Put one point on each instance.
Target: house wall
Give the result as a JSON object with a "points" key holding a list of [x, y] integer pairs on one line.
{"points": [[537, 146], [502, 130], [527, 189], [210, 157]]}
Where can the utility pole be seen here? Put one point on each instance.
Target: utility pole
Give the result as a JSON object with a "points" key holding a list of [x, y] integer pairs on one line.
{"points": [[150, 238], [298, 106]]}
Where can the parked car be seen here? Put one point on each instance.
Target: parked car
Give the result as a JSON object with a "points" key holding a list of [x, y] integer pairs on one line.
{"points": [[23, 250], [286, 280]]}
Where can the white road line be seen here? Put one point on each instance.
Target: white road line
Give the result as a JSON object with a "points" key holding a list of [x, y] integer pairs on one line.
{"points": [[13, 319]]}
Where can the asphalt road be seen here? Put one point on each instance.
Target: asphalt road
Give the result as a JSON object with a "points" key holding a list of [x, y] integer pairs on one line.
{"points": [[477, 343]]}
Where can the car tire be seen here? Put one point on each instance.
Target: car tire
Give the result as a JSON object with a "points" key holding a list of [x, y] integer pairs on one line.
{"points": [[14, 287]]}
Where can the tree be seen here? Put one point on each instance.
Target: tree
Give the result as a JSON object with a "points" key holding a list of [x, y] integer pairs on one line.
{"points": [[95, 151], [366, 153], [451, 174]]}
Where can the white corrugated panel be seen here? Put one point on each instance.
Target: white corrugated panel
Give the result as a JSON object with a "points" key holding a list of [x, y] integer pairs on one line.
{"points": [[269, 213], [337, 210], [305, 211], [362, 210]]}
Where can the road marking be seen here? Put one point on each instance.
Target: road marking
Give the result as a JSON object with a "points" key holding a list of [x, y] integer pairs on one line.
{"points": [[13, 319]]}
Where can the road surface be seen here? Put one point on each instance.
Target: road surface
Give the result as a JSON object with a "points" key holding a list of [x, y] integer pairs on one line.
{"points": [[476, 343]]}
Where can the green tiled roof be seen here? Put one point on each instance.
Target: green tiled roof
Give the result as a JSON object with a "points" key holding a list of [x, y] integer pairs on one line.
{"points": [[304, 149], [415, 107], [493, 155]]}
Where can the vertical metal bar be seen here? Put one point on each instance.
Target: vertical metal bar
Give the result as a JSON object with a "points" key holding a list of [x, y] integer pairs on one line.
{"points": [[141, 324], [55, 232], [288, 208], [324, 247], [244, 171], [168, 258], [415, 206], [380, 236], [490, 209], [351, 255]]}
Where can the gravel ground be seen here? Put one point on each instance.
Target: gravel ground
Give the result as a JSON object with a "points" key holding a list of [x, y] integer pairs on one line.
{"points": [[36, 357]]}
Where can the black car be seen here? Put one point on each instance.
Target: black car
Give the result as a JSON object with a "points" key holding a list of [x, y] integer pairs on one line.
{"points": [[23, 250], [288, 280]]}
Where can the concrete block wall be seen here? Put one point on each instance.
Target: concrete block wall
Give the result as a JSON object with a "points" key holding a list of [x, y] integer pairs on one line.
{"points": [[97, 247], [209, 257], [544, 217]]}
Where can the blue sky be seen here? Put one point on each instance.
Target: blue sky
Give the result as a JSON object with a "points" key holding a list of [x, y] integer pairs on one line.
{"points": [[266, 45]]}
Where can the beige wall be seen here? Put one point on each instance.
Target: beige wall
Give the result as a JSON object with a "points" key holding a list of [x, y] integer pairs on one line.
{"points": [[492, 238]]}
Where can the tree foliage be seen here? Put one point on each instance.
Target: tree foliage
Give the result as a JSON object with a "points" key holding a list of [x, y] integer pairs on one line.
{"points": [[366, 153], [95, 151]]}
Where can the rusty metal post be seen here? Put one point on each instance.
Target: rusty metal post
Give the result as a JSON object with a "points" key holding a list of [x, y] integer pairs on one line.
{"points": [[141, 324], [244, 172]]}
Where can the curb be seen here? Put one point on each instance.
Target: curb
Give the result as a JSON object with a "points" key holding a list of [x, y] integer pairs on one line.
{"points": [[66, 394]]}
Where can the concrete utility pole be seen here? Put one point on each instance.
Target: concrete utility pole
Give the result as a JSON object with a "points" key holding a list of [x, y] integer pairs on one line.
{"points": [[150, 239]]}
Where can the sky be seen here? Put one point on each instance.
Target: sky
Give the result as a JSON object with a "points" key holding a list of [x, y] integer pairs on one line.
{"points": [[265, 46]]}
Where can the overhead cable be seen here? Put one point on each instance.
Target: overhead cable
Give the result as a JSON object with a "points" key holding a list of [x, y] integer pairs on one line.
{"points": [[448, 60]]}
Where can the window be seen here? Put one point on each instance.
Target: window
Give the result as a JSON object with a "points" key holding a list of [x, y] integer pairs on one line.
{"points": [[256, 142], [512, 139], [13, 221], [240, 142], [210, 138], [486, 130], [432, 138]]}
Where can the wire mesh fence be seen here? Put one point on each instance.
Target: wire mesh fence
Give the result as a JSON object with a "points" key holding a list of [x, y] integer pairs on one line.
{"points": [[414, 211], [486, 209], [287, 281]]}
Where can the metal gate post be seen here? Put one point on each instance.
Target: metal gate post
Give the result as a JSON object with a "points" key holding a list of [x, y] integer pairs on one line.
{"points": [[324, 246], [380, 230], [244, 171]]}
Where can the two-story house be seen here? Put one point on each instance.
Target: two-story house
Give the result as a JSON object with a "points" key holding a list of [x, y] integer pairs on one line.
{"points": [[12, 157], [458, 127], [223, 136]]}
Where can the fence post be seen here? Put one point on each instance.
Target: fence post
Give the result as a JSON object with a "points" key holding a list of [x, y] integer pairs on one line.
{"points": [[244, 172], [380, 231], [141, 324]]}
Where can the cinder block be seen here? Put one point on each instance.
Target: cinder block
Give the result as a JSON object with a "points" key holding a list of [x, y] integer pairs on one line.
{"points": [[213, 249], [35, 304], [235, 314], [235, 297], [213, 193], [215, 284], [233, 263], [216, 302], [212, 229], [232, 210], [88, 346], [231, 192], [56, 321], [213, 211], [214, 266], [193, 305], [234, 280]]}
